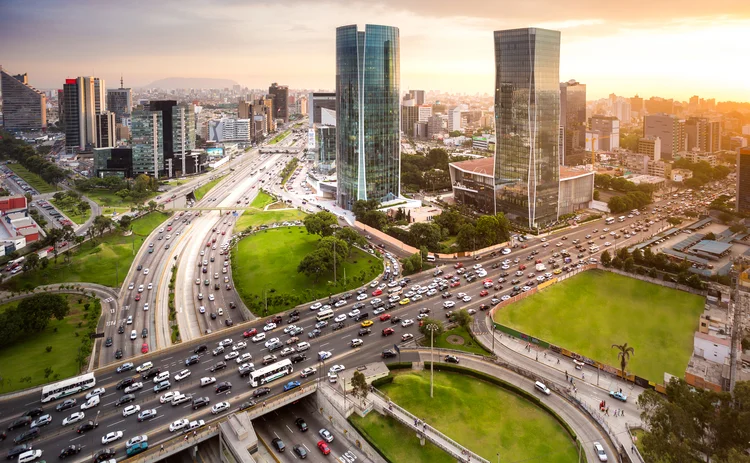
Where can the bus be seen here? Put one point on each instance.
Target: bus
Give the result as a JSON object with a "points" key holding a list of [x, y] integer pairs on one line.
{"points": [[68, 387], [324, 314], [593, 249], [621, 218], [270, 373], [609, 220]]}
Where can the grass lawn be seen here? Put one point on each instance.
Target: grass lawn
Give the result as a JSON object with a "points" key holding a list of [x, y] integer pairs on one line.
{"points": [[279, 137], [384, 432], [262, 200], [110, 202], [250, 219], [593, 310], [269, 259], [201, 191], [28, 356], [97, 262], [469, 344], [512, 426], [32, 179], [73, 214]]}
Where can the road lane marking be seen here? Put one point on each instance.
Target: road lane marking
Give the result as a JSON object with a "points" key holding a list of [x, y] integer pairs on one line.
{"points": [[116, 422]]}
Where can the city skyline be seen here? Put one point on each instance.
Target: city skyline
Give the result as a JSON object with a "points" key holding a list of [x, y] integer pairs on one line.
{"points": [[633, 51]]}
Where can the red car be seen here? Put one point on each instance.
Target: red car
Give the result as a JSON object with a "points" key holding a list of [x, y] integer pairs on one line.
{"points": [[224, 232], [144, 348], [208, 245], [377, 292], [388, 331], [458, 265], [521, 267], [483, 293], [169, 228], [487, 280], [324, 447], [455, 284], [138, 297], [250, 333], [385, 316]]}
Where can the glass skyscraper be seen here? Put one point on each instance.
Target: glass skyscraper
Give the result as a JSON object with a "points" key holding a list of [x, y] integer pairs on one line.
{"points": [[527, 121], [368, 78]]}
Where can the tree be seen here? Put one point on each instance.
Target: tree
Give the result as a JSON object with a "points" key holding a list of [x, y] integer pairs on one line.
{"points": [[467, 237], [623, 354], [315, 264], [629, 264], [425, 234], [726, 217], [152, 205], [412, 264], [32, 260], [462, 317], [431, 321], [450, 220], [360, 388], [320, 223], [351, 237], [83, 207], [125, 222], [596, 195], [334, 243], [606, 258]]}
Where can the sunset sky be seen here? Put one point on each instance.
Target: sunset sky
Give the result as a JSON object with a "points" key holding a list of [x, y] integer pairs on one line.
{"points": [[669, 48]]}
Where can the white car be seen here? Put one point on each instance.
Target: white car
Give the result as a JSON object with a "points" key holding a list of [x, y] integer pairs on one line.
{"points": [[136, 440], [202, 309], [259, 337], [244, 358], [179, 424], [353, 313], [362, 297], [290, 328], [219, 407], [145, 272], [422, 316], [340, 318], [380, 310], [73, 418], [302, 346], [407, 322], [211, 297], [232, 355], [95, 393], [272, 341], [207, 380], [416, 297], [182, 375], [461, 295], [317, 305], [111, 437], [505, 298], [608, 243], [131, 410], [92, 402], [134, 387], [269, 327], [356, 342], [324, 355], [340, 303], [226, 342], [308, 372], [150, 286], [375, 301], [145, 367], [336, 369], [166, 398], [466, 298], [240, 345], [131, 286], [145, 306], [326, 435], [220, 312], [600, 453], [448, 304]]}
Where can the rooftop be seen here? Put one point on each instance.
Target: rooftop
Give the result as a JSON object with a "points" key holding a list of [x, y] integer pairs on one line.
{"points": [[571, 172], [482, 166], [711, 247]]}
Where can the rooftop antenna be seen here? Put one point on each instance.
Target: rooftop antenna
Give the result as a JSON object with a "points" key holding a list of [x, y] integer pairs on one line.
{"points": [[121, 86]]}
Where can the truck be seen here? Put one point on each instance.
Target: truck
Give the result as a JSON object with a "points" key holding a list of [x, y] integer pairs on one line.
{"points": [[540, 267]]}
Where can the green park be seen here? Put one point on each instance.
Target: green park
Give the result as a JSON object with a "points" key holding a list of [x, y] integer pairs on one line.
{"points": [[34, 180], [510, 428], [255, 215], [590, 312], [105, 259]]}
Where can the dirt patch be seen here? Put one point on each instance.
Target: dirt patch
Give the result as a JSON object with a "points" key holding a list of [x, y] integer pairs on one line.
{"points": [[455, 340]]}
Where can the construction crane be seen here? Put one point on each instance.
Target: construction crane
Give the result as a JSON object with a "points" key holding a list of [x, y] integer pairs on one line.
{"points": [[593, 149]]}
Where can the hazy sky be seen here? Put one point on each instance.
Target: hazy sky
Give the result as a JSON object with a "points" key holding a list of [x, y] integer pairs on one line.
{"points": [[670, 48]]}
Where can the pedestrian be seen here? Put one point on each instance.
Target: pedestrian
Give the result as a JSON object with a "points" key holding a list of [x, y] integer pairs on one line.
{"points": [[606, 411], [558, 361], [545, 354], [415, 421], [195, 434], [162, 448], [424, 427], [583, 376], [620, 390], [186, 437], [566, 371], [632, 448]]}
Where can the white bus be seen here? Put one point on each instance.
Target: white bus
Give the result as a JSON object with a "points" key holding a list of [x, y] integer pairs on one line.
{"points": [[593, 249], [272, 372], [621, 218], [609, 220], [324, 314], [68, 387]]}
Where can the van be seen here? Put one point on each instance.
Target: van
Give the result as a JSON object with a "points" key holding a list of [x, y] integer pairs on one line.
{"points": [[542, 387], [29, 456], [430, 258], [163, 376], [181, 398], [275, 346]]}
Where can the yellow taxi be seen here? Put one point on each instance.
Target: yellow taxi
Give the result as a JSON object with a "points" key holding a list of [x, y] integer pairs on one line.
{"points": [[366, 323], [557, 271], [404, 301]]}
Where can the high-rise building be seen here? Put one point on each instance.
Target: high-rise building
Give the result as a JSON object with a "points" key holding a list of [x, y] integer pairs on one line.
{"points": [[120, 102], [105, 130], [417, 96], [270, 111], [325, 145], [409, 117], [368, 145], [743, 180], [75, 138], [147, 133], [280, 96], [165, 107], [609, 131], [703, 134], [454, 118], [100, 96], [183, 138], [425, 112], [434, 126], [650, 146], [83, 103], [113, 162], [669, 129], [636, 105], [317, 101], [24, 107], [572, 119], [527, 122]]}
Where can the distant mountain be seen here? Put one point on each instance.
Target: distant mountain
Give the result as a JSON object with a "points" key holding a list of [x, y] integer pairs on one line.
{"points": [[171, 83]]}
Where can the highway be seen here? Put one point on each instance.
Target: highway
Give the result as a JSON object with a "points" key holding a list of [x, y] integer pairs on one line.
{"points": [[54, 437]]}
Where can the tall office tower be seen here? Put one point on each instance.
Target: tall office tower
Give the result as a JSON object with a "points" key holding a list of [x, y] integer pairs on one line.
{"points": [[270, 105], [454, 118], [87, 92], [650, 146], [73, 110], [434, 126], [317, 101], [244, 109], [409, 117], [24, 107], [280, 96], [743, 180], [100, 96], [572, 120], [147, 134], [527, 122], [105, 130], [609, 131], [636, 105], [669, 129], [417, 96], [368, 152], [703, 134], [183, 137], [425, 112], [325, 145], [120, 102], [60, 109], [165, 107]]}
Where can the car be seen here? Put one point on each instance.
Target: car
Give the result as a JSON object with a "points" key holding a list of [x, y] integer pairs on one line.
{"points": [[178, 424], [147, 415], [200, 402], [144, 348], [336, 369], [68, 403], [323, 447], [145, 271], [182, 375], [88, 426], [223, 386], [250, 333], [136, 440], [324, 355], [303, 346], [269, 327], [92, 402], [161, 386], [261, 391], [340, 318], [388, 331], [301, 424], [309, 371], [70, 451], [207, 380], [618, 395], [43, 420], [388, 353], [259, 337], [600, 453], [133, 387], [466, 298], [272, 341], [451, 359], [287, 351], [291, 385], [407, 337], [407, 322], [404, 301], [540, 386], [106, 455], [366, 323], [111, 437], [278, 444], [356, 342]]}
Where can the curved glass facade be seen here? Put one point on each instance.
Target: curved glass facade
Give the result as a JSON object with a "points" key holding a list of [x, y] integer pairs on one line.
{"points": [[527, 119], [368, 152]]}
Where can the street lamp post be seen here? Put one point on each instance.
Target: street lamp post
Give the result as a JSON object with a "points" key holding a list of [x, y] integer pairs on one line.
{"points": [[493, 337], [334, 227], [432, 327]]}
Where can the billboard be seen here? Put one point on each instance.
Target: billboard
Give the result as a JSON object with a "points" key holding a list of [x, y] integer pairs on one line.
{"points": [[217, 152], [311, 139]]}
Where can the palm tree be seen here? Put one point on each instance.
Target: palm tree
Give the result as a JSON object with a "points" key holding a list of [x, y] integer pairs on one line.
{"points": [[623, 354]]}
